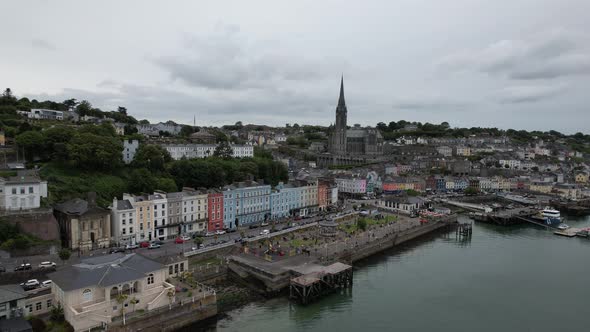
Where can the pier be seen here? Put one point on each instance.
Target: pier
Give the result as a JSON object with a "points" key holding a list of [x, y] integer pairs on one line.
{"points": [[316, 281], [504, 217]]}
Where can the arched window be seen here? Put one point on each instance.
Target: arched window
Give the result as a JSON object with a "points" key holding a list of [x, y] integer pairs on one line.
{"points": [[87, 295], [114, 291], [150, 279]]}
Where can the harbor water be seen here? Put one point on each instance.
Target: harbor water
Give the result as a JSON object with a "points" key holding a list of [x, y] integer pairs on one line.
{"points": [[519, 278]]}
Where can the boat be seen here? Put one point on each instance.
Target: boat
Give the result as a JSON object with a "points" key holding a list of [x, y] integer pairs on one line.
{"points": [[550, 216], [583, 233], [563, 227]]}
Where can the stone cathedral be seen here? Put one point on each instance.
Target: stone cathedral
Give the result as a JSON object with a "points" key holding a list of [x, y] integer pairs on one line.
{"points": [[356, 141]]}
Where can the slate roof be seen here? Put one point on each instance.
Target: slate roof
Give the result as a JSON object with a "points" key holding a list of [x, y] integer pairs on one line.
{"points": [[78, 206], [124, 204], [104, 271], [11, 292]]}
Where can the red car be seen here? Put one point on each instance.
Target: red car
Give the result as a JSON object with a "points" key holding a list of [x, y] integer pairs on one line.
{"points": [[179, 240], [144, 244]]}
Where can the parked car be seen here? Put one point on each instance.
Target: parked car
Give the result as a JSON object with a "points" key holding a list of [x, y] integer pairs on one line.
{"points": [[47, 265], [116, 250], [159, 242], [185, 238], [220, 232], [46, 283], [131, 246], [30, 284], [179, 240], [23, 267], [253, 226], [264, 223], [209, 234], [144, 244], [264, 232], [154, 245]]}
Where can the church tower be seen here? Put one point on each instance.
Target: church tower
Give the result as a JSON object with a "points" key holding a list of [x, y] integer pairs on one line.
{"points": [[339, 138]]}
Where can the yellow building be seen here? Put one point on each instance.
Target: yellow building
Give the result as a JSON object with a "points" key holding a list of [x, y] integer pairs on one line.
{"points": [[582, 178]]}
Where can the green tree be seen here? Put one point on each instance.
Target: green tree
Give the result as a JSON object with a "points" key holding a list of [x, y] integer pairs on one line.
{"points": [[142, 181], [64, 254], [32, 142], [186, 131], [84, 108], [121, 298], [199, 241], [94, 152], [361, 224], [471, 191], [223, 150], [152, 157]]}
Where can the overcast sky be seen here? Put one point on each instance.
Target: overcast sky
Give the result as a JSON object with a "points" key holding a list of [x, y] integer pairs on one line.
{"points": [[504, 63]]}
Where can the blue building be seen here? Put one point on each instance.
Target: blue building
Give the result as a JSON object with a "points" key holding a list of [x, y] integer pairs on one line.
{"points": [[285, 200], [245, 203]]}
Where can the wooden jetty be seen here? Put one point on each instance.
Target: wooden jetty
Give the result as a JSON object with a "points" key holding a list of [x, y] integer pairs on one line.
{"points": [[320, 281], [464, 230]]}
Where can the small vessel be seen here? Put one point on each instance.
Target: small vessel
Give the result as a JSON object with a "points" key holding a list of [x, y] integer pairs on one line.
{"points": [[583, 233], [550, 216], [563, 227]]}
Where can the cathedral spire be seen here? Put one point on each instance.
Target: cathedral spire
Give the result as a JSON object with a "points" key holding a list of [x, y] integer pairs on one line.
{"points": [[341, 102]]}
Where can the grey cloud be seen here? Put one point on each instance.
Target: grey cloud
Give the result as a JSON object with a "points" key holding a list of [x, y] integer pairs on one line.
{"points": [[43, 44], [430, 103], [549, 56], [528, 93], [223, 60]]}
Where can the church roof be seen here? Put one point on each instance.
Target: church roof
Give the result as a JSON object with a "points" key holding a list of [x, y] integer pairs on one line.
{"points": [[341, 102]]}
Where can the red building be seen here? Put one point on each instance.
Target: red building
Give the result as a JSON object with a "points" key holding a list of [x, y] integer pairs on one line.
{"points": [[323, 194], [215, 210]]}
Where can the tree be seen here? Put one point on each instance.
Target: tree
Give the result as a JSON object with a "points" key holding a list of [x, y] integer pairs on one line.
{"points": [[223, 150], [94, 152], [32, 142], [382, 126], [199, 241], [122, 110], [70, 103], [144, 122], [57, 313], [186, 131], [471, 191], [121, 298], [361, 224], [142, 181], [64, 254], [152, 157], [84, 108], [170, 295]]}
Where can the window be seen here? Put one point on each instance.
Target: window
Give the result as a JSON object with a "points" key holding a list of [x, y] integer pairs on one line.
{"points": [[150, 279], [3, 307], [181, 267], [87, 295], [123, 222], [38, 306], [22, 190], [14, 191], [29, 307], [170, 269], [30, 190], [162, 206], [130, 230], [123, 231], [49, 303]]}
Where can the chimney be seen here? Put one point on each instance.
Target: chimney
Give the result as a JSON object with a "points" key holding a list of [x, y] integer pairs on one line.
{"points": [[92, 198]]}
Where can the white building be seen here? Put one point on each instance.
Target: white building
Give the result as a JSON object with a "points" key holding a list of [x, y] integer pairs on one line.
{"points": [[123, 222], [21, 192], [194, 211], [511, 163], [45, 114], [192, 151], [129, 149], [463, 151], [446, 151], [351, 185]]}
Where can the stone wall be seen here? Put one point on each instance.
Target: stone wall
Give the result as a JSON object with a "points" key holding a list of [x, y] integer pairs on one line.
{"points": [[167, 319], [39, 223]]}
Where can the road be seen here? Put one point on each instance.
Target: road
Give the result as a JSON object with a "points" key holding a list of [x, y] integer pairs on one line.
{"points": [[169, 248]]}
